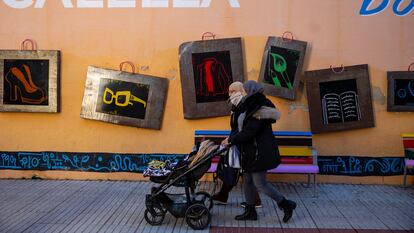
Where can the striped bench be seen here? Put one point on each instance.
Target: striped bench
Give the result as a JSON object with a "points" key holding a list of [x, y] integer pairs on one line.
{"points": [[408, 143], [295, 148]]}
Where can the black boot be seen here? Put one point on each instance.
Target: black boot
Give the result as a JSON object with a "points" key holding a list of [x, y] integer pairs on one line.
{"points": [[249, 214], [287, 206], [257, 202]]}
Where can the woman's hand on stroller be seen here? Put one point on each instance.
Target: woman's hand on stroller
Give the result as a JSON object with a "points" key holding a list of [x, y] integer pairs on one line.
{"points": [[225, 142]]}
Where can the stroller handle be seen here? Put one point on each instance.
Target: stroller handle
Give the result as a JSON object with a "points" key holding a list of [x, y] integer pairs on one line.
{"points": [[220, 150]]}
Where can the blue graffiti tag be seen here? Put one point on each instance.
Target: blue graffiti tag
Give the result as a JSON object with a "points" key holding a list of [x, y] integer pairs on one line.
{"points": [[360, 166], [8, 161], [30, 160], [387, 165], [353, 166], [123, 164]]}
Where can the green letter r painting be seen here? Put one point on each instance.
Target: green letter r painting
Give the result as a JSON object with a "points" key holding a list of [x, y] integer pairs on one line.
{"points": [[281, 67]]}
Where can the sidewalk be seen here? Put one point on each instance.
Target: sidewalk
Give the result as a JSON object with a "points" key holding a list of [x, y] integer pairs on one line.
{"points": [[104, 206]]}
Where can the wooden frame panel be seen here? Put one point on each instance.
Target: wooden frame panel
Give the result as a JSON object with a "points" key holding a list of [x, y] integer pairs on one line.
{"points": [[124, 98], [320, 84], [207, 68], [282, 79]]}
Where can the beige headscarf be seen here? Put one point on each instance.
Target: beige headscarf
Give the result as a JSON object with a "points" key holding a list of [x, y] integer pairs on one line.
{"points": [[236, 86], [236, 93]]}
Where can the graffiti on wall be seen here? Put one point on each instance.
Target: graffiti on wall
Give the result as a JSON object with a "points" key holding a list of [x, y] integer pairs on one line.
{"points": [[108, 162], [90, 162], [361, 166]]}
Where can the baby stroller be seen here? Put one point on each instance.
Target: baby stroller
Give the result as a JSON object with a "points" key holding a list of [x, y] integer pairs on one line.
{"points": [[193, 206]]}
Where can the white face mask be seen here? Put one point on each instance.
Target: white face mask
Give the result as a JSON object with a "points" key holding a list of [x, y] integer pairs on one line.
{"points": [[235, 98]]}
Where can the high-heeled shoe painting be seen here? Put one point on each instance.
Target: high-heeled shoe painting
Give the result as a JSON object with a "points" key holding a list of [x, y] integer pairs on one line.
{"points": [[29, 80], [26, 82]]}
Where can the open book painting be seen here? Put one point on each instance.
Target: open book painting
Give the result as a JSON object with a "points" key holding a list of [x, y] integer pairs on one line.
{"points": [[340, 108], [339, 101]]}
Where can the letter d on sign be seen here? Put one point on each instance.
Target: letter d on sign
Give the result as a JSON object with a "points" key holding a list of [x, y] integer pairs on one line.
{"points": [[367, 3], [406, 11]]}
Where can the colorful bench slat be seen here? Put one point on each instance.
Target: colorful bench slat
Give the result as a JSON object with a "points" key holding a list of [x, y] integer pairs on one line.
{"points": [[275, 133], [408, 143], [299, 160], [295, 168], [295, 148], [409, 163], [409, 153], [286, 160], [295, 151], [291, 141]]}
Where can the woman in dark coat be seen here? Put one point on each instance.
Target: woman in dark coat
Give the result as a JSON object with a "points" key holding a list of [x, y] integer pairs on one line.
{"points": [[235, 98], [259, 151]]}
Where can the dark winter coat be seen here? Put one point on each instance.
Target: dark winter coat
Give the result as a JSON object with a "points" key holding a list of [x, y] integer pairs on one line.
{"points": [[259, 151], [235, 113]]}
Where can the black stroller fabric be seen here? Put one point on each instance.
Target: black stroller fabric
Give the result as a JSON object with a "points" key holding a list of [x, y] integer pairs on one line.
{"points": [[227, 174], [206, 147]]}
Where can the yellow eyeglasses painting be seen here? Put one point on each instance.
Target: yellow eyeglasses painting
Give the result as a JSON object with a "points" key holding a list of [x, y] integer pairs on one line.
{"points": [[122, 98]]}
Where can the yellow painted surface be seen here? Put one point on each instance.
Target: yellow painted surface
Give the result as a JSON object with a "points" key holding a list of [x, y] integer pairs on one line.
{"points": [[295, 151], [150, 38], [407, 135]]}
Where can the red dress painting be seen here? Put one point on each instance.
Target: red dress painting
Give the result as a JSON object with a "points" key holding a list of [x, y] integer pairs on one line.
{"points": [[212, 79]]}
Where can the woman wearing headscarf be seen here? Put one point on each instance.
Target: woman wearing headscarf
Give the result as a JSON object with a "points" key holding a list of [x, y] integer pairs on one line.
{"points": [[258, 148], [236, 94]]}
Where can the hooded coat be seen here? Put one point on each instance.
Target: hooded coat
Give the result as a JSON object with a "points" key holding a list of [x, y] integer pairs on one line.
{"points": [[259, 151]]}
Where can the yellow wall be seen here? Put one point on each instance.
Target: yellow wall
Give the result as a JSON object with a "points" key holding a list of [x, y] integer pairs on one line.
{"points": [[150, 37]]}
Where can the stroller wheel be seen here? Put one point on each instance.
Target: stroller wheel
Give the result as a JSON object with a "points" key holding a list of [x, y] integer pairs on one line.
{"points": [[154, 219], [204, 198], [197, 216]]}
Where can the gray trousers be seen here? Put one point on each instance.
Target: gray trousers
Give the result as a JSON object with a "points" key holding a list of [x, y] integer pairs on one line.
{"points": [[256, 181]]}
